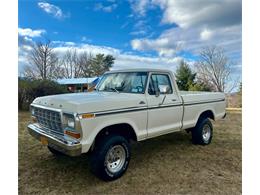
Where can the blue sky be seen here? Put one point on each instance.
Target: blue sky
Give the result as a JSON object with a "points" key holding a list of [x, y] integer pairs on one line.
{"points": [[144, 33], [92, 22]]}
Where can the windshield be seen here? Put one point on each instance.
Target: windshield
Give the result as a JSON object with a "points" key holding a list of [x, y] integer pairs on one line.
{"points": [[126, 82]]}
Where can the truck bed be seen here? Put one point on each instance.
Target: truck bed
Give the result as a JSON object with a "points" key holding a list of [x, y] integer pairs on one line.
{"points": [[195, 102], [199, 96]]}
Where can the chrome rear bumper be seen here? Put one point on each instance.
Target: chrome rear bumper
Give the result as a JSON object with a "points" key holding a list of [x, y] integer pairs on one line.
{"points": [[68, 147]]}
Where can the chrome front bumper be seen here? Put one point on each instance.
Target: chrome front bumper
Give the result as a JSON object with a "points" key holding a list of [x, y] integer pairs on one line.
{"points": [[68, 147]]}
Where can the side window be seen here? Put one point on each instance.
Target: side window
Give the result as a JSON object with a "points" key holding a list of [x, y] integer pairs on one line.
{"points": [[138, 82], [159, 81]]}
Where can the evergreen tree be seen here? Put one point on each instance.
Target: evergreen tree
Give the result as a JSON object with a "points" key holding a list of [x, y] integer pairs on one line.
{"points": [[184, 76], [101, 63]]}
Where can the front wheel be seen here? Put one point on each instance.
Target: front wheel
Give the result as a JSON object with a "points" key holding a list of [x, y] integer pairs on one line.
{"points": [[110, 157], [203, 132]]}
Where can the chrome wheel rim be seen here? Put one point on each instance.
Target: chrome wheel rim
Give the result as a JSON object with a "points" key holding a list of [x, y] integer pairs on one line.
{"points": [[115, 158], [206, 132]]}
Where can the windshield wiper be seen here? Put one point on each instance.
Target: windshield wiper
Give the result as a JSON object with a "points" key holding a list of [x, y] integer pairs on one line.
{"points": [[114, 89]]}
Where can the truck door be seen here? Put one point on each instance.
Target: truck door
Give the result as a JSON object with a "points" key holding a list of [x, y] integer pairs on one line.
{"points": [[164, 105]]}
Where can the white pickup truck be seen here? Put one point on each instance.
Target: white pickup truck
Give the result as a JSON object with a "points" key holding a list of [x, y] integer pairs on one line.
{"points": [[135, 104]]}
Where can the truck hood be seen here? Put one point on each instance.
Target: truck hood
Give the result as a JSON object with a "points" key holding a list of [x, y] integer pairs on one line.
{"points": [[91, 101]]}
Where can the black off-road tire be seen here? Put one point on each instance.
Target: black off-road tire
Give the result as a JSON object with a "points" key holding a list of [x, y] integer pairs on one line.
{"points": [[199, 131], [55, 152], [98, 157]]}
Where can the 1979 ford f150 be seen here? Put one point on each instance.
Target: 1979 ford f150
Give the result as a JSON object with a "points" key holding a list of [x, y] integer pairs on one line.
{"points": [[126, 105]]}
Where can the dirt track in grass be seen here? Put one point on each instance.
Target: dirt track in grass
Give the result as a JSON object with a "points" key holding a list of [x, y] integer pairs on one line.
{"points": [[169, 164]]}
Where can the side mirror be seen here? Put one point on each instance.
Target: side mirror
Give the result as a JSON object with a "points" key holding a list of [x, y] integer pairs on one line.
{"points": [[164, 89]]}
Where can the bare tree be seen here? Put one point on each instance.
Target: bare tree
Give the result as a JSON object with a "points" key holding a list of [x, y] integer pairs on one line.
{"points": [[43, 62], [71, 64], [58, 71], [214, 69], [29, 72], [85, 61]]}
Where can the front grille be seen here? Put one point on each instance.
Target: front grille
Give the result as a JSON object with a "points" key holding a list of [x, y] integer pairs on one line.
{"points": [[49, 119]]}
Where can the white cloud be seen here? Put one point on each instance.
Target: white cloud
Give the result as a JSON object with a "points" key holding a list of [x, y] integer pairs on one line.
{"points": [[140, 24], [109, 8], [190, 13], [25, 42], [30, 33], [85, 39], [123, 60], [163, 45], [23, 52], [140, 7], [199, 23], [139, 32], [140, 28], [69, 43], [61, 47], [53, 10], [206, 34], [28, 39], [177, 39], [26, 47]]}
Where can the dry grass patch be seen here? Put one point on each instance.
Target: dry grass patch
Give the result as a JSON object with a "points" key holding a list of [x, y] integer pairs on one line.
{"points": [[168, 164]]}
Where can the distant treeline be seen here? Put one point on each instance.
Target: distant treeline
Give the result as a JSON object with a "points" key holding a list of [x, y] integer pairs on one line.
{"points": [[29, 89], [45, 63]]}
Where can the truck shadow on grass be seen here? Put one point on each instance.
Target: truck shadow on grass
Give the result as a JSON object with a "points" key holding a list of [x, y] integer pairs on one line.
{"points": [[165, 146]]}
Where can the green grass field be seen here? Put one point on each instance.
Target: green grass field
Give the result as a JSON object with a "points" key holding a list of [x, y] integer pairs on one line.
{"points": [[168, 164]]}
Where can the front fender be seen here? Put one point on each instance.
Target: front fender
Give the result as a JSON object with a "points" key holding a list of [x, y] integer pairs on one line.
{"points": [[91, 127]]}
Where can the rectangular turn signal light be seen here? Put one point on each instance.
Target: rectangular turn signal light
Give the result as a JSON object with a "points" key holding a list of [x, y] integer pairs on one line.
{"points": [[72, 134], [88, 115]]}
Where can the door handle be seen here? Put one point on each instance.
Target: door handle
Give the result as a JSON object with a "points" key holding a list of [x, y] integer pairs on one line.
{"points": [[142, 102], [173, 100]]}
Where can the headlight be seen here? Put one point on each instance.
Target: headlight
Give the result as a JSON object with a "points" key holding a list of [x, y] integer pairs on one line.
{"points": [[71, 122], [71, 125]]}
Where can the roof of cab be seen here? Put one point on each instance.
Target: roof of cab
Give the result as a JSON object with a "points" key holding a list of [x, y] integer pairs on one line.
{"points": [[140, 70]]}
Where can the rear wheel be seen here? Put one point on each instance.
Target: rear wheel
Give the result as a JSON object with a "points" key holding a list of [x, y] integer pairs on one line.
{"points": [[203, 132], [110, 157]]}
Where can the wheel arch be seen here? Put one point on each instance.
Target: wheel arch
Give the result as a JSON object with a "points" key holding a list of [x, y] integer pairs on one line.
{"points": [[207, 114], [123, 129]]}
